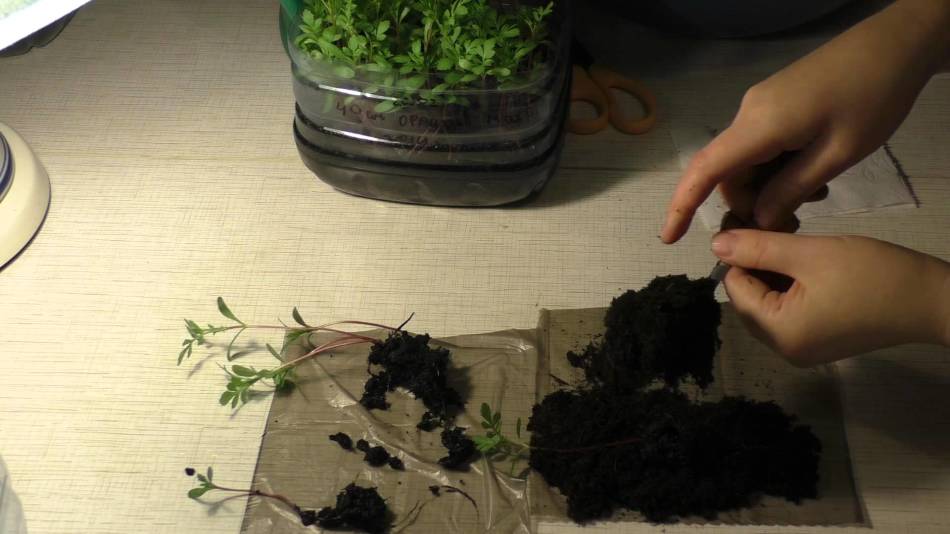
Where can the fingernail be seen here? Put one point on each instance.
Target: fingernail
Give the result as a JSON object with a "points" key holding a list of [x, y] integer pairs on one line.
{"points": [[723, 244], [667, 227]]}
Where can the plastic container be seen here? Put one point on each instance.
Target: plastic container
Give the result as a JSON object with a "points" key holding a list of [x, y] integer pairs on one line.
{"points": [[366, 134]]}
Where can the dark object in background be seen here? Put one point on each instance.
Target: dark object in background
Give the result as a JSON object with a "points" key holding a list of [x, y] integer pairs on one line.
{"points": [[723, 18], [38, 38]]}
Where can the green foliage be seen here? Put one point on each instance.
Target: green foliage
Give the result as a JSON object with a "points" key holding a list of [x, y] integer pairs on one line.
{"points": [[494, 444], [241, 379], [205, 483], [425, 48]]}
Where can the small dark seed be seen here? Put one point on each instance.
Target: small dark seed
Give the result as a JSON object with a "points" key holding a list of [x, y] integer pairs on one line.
{"points": [[343, 440], [190, 471]]}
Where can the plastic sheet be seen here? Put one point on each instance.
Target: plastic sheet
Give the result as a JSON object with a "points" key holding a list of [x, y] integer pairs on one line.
{"points": [[511, 371], [299, 461]]}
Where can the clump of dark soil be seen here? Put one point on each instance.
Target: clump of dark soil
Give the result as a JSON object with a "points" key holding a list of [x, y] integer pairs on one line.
{"points": [[343, 440], [680, 458], [665, 331], [621, 442], [406, 360], [461, 449], [378, 456], [357, 508]]}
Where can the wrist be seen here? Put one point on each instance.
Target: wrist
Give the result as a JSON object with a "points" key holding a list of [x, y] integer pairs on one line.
{"points": [[927, 21]]}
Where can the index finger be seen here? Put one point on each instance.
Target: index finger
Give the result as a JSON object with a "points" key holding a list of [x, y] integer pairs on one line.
{"points": [[735, 149]]}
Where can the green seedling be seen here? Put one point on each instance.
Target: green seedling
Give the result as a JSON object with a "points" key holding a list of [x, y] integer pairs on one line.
{"points": [[424, 48], [494, 445], [242, 379], [206, 483]]}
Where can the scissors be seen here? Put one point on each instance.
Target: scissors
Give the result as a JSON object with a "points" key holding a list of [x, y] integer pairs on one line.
{"points": [[593, 84]]}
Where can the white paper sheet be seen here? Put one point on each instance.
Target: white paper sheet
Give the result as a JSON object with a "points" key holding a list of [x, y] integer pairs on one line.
{"points": [[873, 183], [20, 18]]}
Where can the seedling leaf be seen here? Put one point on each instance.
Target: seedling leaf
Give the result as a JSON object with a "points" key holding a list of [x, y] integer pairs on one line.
{"points": [[273, 352], [240, 370], [486, 412], [298, 318], [196, 493], [225, 311], [230, 355]]}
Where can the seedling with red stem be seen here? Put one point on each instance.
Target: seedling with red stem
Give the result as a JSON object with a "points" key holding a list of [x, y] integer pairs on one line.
{"points": [[242, 378]]}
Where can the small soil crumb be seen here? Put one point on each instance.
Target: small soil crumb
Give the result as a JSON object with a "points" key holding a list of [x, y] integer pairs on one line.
{"points": [[407, 361], [357, 508], [396, 464], [343, 440], [435, 490], [665, 331], [461, 449], [376, 456]]}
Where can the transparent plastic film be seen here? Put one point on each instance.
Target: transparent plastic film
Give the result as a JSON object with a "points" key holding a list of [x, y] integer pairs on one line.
{"points": [[299, 461], [512, 371]]}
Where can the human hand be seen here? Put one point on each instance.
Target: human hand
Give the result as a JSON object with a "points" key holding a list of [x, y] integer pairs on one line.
{"points": [[821, 115], [850, 294]]}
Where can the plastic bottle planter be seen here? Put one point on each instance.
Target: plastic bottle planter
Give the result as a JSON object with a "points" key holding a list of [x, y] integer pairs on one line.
{"points": [[489, 147]]}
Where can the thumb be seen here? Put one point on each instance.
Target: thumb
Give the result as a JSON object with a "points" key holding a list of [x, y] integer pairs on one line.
{"points": [[765, 251]]}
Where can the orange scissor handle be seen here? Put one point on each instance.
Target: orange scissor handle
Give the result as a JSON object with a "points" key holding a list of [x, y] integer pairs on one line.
{"points": [[583, 89], [608, 79]]}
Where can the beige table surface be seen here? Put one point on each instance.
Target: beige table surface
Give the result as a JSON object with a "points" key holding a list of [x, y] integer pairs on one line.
{"points": [[166, 130]]}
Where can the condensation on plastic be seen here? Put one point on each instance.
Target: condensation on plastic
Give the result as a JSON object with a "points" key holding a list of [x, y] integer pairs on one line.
{"points": [[299, 461]]}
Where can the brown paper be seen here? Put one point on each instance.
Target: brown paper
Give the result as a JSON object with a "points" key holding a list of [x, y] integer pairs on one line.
{"points": [[511, 371], [743, 367]]}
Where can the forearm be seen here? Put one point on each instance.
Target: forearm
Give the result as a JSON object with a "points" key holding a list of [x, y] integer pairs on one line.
{"points": [[933, 300], [922, 28]]}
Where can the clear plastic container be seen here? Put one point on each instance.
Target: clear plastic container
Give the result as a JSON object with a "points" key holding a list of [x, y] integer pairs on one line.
{"points": [[365, 133]]}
